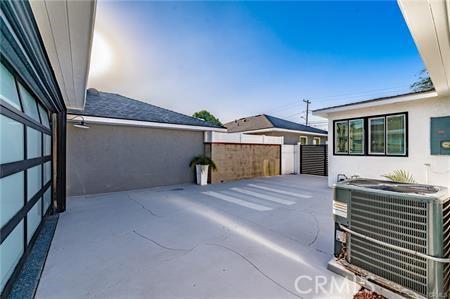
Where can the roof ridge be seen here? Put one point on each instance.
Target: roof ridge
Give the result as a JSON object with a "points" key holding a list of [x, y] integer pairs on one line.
{"points": [[266, 116], [303, 126]]}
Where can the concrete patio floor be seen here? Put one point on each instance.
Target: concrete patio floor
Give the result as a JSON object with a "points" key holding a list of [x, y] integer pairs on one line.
{"points": [[259, 238]]}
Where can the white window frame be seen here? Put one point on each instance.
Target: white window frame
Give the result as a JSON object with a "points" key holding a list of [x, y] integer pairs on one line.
{"points": [[305, 137], [386, 129], [316, 139], [370, 136]]}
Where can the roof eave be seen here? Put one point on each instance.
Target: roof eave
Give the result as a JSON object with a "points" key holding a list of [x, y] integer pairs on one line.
{"points": [[428, 23], [375, 103], [282, 130], [69, 54], [72, 117]]}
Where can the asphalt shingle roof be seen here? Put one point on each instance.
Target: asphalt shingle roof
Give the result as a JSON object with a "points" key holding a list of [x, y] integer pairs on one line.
{"points": [[290, 125], [110, 105]]}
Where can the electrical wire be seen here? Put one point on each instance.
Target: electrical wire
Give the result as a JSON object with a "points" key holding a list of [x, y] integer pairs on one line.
{"points": [[345, 96]]}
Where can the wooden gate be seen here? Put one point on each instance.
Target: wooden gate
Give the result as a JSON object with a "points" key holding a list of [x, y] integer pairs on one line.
{"points": [[314, 159]]}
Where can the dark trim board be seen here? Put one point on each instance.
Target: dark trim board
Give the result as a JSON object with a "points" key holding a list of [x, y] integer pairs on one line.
{"points": [[11, 112], [59, 158], [366, 136], [15, 167]]}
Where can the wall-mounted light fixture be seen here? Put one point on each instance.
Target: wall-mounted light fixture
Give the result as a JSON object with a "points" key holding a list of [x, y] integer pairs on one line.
{"points": [[80, 124]]}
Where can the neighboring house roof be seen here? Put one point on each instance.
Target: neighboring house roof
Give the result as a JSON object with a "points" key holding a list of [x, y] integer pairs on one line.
{"points": [[411, 96], [110, 105], [290, 125], [266, 123]]}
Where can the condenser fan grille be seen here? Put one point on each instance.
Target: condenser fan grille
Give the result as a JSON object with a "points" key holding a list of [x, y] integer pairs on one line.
{"points": [[396, 221]]}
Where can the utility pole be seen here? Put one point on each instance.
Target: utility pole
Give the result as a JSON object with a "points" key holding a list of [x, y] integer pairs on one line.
{"points": [[307, 109]]}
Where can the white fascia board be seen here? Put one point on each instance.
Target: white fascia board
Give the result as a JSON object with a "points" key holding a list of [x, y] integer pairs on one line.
{"points": [[283, 131], [428, 22], [67, 28], [412, 97], [137, 123]]}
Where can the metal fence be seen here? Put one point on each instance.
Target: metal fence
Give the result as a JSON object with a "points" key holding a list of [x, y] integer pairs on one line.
{"points": [[314, 159]]}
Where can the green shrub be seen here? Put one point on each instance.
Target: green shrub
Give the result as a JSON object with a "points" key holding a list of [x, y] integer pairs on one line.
{"points": [[400, 176], [203, 160]]}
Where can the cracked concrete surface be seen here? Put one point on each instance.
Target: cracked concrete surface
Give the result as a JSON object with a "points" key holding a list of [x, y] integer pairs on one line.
{"points": [[157, 243]]}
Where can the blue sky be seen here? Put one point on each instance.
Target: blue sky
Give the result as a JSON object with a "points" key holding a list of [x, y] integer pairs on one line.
{"points": [[237, 59]]}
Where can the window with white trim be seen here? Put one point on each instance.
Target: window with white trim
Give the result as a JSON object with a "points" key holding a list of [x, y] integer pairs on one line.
{"points": [[303, 140], [316, 140]]}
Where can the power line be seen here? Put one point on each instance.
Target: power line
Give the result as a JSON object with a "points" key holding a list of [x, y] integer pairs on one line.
{"points": [[374, 92], [362, 93]]}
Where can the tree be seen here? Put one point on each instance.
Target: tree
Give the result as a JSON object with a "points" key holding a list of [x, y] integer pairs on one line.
{"points": [[423, 83], [206, 116]]}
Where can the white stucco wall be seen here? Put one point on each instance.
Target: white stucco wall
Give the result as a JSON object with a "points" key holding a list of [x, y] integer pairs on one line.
{"points": [[419, 114]]}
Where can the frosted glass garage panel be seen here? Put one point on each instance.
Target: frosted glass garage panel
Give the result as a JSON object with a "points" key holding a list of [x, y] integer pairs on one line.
{"points": [[12, 193], [47, 145], [47, 199], [29, 103], [34, 180], [34, 143], [44, 117], [11, 142], [47, 172], [10, 252], [34, 217], [8, 90]]}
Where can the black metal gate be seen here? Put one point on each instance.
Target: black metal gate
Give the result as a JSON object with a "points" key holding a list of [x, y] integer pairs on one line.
{"points": [[314, 159]]}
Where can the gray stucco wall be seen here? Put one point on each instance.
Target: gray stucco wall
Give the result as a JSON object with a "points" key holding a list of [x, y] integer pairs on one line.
{"points": [[107, 158]]}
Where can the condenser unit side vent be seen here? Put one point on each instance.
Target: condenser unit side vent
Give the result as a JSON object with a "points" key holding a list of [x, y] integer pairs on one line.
{"points": [[446, 217]]}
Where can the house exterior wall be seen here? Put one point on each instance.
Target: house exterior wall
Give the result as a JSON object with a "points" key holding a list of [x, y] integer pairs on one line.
{"points": [[419, 114], [243, 161], [108, 158], [292, 138]]}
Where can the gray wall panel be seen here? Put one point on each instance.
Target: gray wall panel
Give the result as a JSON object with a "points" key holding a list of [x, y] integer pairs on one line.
{"points": [[106, 158]]}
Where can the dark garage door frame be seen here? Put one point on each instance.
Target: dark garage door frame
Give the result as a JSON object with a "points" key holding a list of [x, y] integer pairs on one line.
{"points": [[314, 159]]}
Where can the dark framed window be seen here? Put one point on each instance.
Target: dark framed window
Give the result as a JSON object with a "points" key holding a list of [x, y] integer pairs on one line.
{"points": [[25, 163], [377, 128], [341, 137], [356, 134], [378, 135], [396, 134]]}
